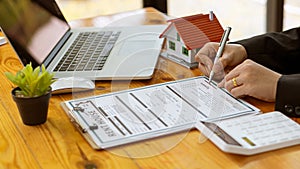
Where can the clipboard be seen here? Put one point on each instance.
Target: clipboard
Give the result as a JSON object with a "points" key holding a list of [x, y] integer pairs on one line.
{"points": [[2, 40], [139, 114], [143, 113]]}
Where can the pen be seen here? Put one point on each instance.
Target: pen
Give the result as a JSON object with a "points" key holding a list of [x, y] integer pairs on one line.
{"points": [[220, 50]]}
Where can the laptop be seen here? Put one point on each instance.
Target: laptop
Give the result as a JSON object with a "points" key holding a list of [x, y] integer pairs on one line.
{"points": [[40, 34]]}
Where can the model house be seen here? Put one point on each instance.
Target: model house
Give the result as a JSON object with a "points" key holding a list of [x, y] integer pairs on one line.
{"points": [[185, 36]]}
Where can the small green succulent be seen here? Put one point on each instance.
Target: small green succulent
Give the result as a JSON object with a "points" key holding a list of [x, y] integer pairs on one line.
{"points": [[32, 82]]}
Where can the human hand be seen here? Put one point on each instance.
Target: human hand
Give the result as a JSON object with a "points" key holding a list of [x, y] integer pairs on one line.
{"points": [[233, 55], [252, 79]]}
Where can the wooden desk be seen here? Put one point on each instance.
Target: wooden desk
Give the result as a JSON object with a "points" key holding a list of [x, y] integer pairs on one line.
{"points": [[57, 144]]}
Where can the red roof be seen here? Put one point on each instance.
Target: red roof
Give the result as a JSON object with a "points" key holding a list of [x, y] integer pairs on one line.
{"points": [[196, 30]]}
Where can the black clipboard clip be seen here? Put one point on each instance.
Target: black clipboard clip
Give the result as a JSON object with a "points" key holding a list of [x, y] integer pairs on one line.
{"points": [[77, 124]]}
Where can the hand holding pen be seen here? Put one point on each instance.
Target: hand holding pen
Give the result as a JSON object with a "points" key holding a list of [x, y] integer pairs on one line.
{"points": [[220, 50]]}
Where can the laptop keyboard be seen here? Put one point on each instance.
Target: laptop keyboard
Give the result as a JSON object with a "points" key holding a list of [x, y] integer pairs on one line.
{"points": [[88, 52]]}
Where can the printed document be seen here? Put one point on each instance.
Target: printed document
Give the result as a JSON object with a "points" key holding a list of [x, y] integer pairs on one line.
{"points": [[133, 115]]}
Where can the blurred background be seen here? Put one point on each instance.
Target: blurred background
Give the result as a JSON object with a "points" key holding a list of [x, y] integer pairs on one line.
{"points": [[246, 17]]}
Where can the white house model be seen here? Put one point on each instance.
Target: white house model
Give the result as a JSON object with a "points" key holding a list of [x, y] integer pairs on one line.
{"points": [[185, 36]]}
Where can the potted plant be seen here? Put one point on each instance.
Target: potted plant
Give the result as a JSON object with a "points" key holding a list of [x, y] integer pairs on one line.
{"points": [[32, 94]]}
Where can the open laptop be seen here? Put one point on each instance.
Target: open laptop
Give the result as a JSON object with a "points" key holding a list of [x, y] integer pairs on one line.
{"points": [[39, 34]]}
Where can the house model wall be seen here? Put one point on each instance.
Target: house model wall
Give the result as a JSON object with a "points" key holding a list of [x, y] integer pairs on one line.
{"points": [[185, 36]]}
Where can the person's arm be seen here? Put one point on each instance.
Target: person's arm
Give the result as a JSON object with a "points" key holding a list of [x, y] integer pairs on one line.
{"points": [[279, 51], [288, 95]]}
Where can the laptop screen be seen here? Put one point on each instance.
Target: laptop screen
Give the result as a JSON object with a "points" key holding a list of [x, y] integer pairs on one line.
{"points": [[33, 27]]}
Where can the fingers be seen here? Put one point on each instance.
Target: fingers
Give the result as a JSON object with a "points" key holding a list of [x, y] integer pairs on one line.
{"points": [[234, 86], [219, 69], [239, 81], [234, 73], [205, 64], [233, 82], [205, 57], [221, 84]]}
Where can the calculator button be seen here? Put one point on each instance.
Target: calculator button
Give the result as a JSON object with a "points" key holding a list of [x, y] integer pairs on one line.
{"points": [[297, 110], [289, 108]]}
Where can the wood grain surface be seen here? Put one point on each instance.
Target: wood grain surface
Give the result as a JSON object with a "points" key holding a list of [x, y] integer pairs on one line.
{"points": [[57, 144]]}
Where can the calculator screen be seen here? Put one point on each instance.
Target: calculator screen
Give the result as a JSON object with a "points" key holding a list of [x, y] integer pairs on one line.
{"points": [[221, 133]]}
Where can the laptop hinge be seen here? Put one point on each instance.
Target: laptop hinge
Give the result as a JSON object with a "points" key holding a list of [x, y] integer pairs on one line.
{"points": [[57, 48]]}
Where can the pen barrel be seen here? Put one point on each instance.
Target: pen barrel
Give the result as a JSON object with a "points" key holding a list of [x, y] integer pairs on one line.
{"points": [[220, 50], [211, 75], [219, 53]]}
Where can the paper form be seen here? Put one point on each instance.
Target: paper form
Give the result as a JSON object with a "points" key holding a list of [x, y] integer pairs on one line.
{"points": [[159, 108]]}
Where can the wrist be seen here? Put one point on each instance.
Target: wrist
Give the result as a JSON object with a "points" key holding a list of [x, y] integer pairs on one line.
{"points": [[243, 52]]}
